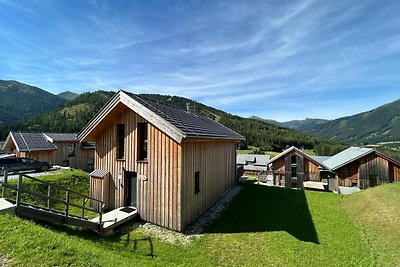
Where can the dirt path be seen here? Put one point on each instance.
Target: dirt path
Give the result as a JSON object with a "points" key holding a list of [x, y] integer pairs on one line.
{"points": [[4, 262]]}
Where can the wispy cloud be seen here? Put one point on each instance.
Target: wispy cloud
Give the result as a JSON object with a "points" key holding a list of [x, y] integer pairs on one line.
{"points": [[282, 60]]}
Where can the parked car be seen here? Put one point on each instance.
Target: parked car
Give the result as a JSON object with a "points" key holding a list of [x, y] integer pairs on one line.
{"points": [[23, 164]]}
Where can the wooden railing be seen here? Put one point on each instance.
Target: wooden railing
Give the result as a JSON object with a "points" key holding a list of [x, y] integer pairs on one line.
{"points": [[19, 188]]}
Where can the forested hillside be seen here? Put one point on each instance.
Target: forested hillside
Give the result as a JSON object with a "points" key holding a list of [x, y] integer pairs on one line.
{"points": [[377, 125], [67, 95], [258, 133], [70, 117], [73, 116], [20, 101]]}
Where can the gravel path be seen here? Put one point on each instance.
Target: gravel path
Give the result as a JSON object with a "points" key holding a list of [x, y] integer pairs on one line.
{"points": [[4, 262], [195, 229]]}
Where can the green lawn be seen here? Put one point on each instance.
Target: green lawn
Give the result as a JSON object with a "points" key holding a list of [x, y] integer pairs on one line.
{"points": [[262, 226]]}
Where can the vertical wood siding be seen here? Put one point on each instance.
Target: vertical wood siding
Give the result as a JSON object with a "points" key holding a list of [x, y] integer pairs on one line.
{"points": [[359, 172], [306, 170], [216, 163], [158, 197], [60, 155]]}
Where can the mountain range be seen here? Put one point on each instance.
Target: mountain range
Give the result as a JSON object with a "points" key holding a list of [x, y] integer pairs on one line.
{"points": [[21, 101], [378, 125], [71, 116], [29, 108]]}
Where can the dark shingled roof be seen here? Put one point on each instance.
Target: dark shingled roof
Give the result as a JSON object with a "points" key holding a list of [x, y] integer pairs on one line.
{"points": [[193, 125], [63, 137], [32, 141], [88, 145]]}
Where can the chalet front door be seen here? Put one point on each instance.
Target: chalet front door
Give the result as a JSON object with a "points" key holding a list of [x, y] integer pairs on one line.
{"points": [[131, 188]]}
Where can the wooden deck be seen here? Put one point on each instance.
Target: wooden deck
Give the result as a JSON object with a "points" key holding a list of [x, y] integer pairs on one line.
{"points": [[315, 185], [104, 223], [115, 218]]}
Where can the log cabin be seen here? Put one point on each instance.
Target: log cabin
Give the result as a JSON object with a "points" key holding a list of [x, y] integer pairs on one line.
{"points": [[362, 167], [62, 149], [170, 164], [292, 167]]}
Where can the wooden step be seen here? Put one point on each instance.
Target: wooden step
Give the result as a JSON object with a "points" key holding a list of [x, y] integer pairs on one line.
{"points": [[6, 206], [116, 217]]}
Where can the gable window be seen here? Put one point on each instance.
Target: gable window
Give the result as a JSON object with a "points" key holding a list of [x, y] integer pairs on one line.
{"points": [[71, 149], [142, 141], [197, 182], [121, 141], [293, 159]]}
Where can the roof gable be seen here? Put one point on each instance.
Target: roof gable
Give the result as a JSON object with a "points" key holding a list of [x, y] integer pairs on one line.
{"points": [[298, 151], [346, 156], [174, 122], [28, 141]]}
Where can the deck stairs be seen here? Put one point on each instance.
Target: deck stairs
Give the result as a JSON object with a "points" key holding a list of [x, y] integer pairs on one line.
{"points": [[104, 222]]}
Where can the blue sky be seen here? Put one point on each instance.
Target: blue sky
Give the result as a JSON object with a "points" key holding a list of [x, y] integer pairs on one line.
{"points": [[281, 60]]}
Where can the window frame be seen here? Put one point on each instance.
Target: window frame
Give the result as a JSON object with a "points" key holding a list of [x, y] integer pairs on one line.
{"points": [[142, 143], [71, 153], [120, 141]]}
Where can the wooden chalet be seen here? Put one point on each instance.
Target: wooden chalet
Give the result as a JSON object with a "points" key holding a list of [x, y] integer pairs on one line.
{"points": [[62, 149], [292, 167], [170, 164], [252, 164], [362, 167]]}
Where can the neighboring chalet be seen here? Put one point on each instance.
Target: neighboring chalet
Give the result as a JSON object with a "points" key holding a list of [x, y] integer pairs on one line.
{"points": [[252, 164], [3, 152], [362, 167], [58, 148], [292, 167], [170, 164]]}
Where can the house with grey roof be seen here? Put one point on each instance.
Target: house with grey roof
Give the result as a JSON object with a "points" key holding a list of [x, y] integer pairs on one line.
{"points": [[362, 167], [168, 163], [58, 148], [292, 167], [253, 164]]}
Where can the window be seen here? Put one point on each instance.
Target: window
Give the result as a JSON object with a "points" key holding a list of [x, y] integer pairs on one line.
{"points": [[120, 141], [142, 141], [294, 171], [90, 162], [71, 149], [293, 159], [197, 182]]}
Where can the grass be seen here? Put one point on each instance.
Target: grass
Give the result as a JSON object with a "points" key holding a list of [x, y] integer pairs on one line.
{"points": [[75, 180], [262, 226], [377, 210]]}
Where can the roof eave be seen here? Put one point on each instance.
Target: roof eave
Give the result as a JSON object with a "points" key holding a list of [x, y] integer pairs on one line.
{"points": [[147, 114]]}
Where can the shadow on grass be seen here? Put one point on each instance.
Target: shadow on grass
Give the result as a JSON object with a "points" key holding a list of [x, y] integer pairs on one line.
{"points": [[262, 209]]}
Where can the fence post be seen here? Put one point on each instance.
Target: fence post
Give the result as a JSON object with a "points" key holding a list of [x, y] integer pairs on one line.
{"points": [[48, 196], [66, 203], [19, 187], [5, 181], [83, 206], [101, 215]]}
